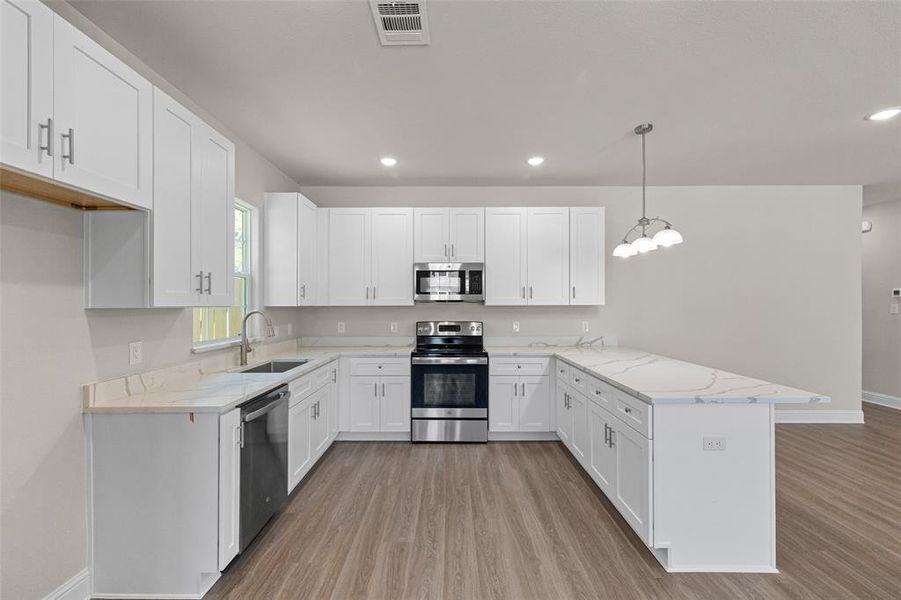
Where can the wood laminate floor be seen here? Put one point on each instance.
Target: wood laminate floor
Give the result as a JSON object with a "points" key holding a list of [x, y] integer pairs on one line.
{"points": [[521, 521]]}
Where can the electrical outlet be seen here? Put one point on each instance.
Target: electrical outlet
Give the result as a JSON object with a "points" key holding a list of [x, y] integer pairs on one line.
{"points": [[341, 327], [135, 353], [893, 309], [716, 444], [393, 327], [515, 326], [585, 326]]}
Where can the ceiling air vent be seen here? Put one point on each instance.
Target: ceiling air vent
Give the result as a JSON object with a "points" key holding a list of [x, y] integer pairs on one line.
{"points": [[401, 23]]}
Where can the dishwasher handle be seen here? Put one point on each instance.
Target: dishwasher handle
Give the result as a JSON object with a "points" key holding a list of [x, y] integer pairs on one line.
{"points": [[266, 409]]}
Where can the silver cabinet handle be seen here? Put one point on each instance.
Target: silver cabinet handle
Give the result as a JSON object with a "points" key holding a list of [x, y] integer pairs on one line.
{"points": [[574, 292], [303, 291], [240, 429], [446, 255], [71, 155], [628, 410], [375, 389], [373, 292], [199, 277], [453, 251], [578, 380], [49, 127], [611, 443], [530, 292], [367, 292], [523, 390], [383, 390], [597, 392], [606, 434], [209, 283], [335, 375], [523, 292]]}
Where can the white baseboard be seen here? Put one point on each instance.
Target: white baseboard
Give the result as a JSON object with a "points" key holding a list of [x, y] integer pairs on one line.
{"points": [[373, 436], [76, 588], [818, 416], [882, 399], [522, 436]]}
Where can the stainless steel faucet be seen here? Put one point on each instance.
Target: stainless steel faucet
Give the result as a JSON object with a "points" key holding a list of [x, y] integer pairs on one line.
{"points": [[245, 344]]}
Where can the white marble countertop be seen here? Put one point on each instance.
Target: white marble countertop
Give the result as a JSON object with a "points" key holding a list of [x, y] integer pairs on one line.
{"points": [[661, 380], [191, 390], [649, 377]]}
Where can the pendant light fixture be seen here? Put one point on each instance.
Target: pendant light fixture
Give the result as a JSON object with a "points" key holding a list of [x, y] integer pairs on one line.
{"points": [[642, 244]]}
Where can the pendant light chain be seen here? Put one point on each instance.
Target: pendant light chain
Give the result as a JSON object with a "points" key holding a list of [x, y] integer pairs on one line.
{"points": [[644, 171]]}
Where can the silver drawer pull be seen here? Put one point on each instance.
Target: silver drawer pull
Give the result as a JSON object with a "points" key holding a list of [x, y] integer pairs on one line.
{"points": [[628, 410], [71, 155], [49, 127], [199, 277], [209, 283]]}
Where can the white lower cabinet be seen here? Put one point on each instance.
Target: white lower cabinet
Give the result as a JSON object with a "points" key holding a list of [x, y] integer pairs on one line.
{"points": [[380, 403], [229, 486], [519, 403], [311, 415], [613, 452]]}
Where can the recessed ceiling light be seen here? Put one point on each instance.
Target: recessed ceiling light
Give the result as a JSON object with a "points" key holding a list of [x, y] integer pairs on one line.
{"points": [[388, 161], [535, 161], [885, 114]]}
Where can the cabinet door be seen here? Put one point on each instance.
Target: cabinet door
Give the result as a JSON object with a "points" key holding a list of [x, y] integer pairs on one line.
{"points": [[632, 478], [564, 416], [349, 258], [319, 422], [394, 414], [467, 235], [333, 403], [300, 441], [505, 256], [534, 403], [108, 108], [229, 486], [503, 403], [392, 256], [307, 259], [175, 131], [322, 256], [280, 249], [586, 255], [364, 398], [430, 230], [548, 256], [26, 86], [214, 226], [602, 458], [578, 406]]}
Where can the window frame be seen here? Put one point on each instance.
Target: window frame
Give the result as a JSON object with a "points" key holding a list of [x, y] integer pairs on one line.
{"points": [[250, 264]]}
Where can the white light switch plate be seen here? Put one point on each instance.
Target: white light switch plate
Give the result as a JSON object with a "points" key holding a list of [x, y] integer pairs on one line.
{"points": [[135, 353], [893, 309], [341, 328], [516, 326], [393, 327], [586, 326]]}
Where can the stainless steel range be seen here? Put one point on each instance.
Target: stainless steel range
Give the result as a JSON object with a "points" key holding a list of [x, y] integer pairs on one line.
{"points": [[449, 382]]}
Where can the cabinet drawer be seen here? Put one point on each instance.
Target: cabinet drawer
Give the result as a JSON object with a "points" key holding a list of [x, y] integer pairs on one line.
{"points": [[323, 375], [634, 413], [518, 366], [601, 393], [301, 387], [379, 366], [563, 371]]}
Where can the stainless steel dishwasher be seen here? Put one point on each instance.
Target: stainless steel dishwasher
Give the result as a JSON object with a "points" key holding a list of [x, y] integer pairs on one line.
{"points": [[264, 461]]}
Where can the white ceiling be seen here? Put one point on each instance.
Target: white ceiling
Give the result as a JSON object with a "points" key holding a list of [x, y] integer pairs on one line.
{"points": [[739, 93]]}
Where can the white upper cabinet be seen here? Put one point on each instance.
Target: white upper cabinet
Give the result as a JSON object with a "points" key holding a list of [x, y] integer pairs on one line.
{"points": [[467, 235], [431, 226], [291, 248], [26, 86], [215, 202], [392, 256], [103, 120], [349, 243], [370, 256], [175, 133], [586, 255], [449, 235], [505, 255], [548, 256]]}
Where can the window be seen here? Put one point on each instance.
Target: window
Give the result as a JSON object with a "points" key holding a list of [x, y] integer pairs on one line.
{"points": [[215, 325]]}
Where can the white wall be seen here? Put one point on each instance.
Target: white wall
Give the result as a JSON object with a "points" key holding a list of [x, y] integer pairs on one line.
{"points": [[766, 283], [882, 273], [51, 346]]}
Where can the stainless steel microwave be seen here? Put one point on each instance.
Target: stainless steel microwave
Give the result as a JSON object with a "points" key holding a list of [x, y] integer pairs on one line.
{"points": [[449, 282]]}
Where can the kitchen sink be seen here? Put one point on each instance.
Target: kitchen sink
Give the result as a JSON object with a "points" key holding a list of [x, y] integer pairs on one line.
{"points": [[275, 366]]}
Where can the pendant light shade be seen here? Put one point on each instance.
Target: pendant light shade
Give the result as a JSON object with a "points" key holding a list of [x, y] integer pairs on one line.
{"points": [[644, 242], [667, 237], [624, 250]]}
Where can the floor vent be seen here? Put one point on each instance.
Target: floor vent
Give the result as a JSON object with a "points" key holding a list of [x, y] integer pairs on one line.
{"points": [[401, 23]]}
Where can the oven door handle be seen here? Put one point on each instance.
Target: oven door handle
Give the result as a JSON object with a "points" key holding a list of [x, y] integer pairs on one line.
{"points": [[448, 360]]}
